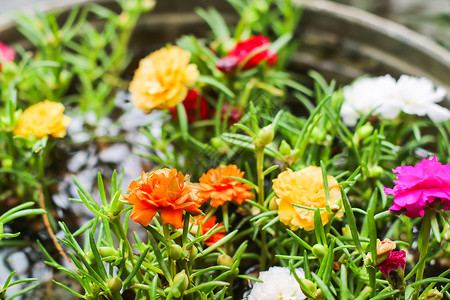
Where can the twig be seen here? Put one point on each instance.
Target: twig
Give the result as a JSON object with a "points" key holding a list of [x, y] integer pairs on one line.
{"points": [[50, 230]]}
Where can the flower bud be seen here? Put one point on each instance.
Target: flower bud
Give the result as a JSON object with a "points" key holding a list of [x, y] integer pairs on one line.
{"points": [[364, 131], [311, 286], [433, 294], [193, 252], [95, 289], [346, 231], [319, 251], [225, 260], [334, 207], [375, 171], [318, 134], [265, 136], [220, 145], [182, 281], [90, 257], [319, 295], [176, 252], [368, 261], [115, 284], [117, 209], [285, 148], [107, 251], [273, 204]]}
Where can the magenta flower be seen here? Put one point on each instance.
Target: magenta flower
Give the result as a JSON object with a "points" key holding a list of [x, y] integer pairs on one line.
{"points": [[419, 185], [395, 261], [6, 53]]}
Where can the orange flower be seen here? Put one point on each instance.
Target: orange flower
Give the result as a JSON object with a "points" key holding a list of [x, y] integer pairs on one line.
{"points": [[207, 226], [166, 190], [306, 188], [217, 186]]}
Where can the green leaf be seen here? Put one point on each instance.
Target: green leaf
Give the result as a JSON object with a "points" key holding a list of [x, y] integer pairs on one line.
{"points": [[323, 286], [211, 81], [270, 169], [351, 221], [435, 227], [23, 213], [245, 181], [207, 285], [218, 243], [136, 267], [182, 121], [299, 240], [318, 228]]}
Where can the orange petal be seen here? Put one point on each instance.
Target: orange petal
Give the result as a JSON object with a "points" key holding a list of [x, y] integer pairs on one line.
{"points": [[142, 215], [172, 216]]}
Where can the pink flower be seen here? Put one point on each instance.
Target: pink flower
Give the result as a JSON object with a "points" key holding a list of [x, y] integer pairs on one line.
{"points": [[247, 50], [395, 261], [6, 53], [420, 185]]}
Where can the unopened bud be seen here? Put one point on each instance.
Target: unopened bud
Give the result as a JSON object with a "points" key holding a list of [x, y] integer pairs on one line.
{"points": [[273, 204], [182, 281], [265, 136], [375, 171], [311, 286], [176, 252], [220, 145], [433, 294], [319, 251], [334, 207], [346, 231], [193, 252], [91, 257], [95, 289], [285, 148], [225, 260], [115, 284], [319, 295], [364, 131], [107, 251]]}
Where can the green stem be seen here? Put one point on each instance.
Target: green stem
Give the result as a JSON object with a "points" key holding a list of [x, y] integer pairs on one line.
{"points": [[120, 233], [424, 237], [172, 263], [260, 169]]}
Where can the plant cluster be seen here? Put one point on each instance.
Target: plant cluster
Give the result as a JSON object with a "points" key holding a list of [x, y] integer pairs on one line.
{"points": [[262, 186]]}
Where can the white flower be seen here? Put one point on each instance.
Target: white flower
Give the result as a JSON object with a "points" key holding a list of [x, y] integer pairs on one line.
{"points": [[418, 96], [386, 97], [278, 284], [369, 95]]}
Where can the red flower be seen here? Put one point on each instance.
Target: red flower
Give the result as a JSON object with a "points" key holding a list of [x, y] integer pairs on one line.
{"points": [[207, 226], [247, 51], [395, 261], [233, 114], [6, 53], [195, 105]]}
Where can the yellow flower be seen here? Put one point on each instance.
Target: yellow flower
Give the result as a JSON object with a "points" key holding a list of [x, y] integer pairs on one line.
{"points": [[306, 188], [43, 119], [163, 79]]}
